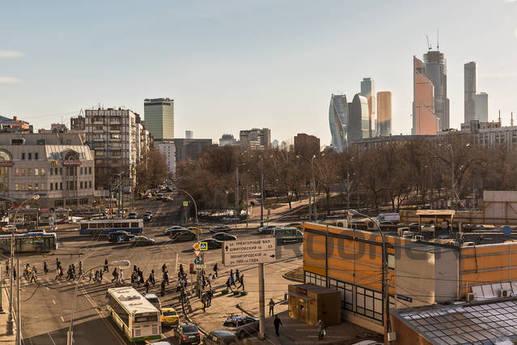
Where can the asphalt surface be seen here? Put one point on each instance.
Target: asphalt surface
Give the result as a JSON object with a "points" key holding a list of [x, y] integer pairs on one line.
{"points": [[49, 305]]}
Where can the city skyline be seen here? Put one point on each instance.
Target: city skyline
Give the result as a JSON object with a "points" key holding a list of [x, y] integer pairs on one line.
{"points": [[204, 62]]}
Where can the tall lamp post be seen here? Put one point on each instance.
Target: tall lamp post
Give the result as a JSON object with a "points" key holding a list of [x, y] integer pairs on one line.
{"points": [[385, 286], [11, 264], [193, 201]]}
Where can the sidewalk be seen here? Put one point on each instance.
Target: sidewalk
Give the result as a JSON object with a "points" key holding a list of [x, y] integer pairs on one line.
{"points": [[4, 338], [291, 333]]}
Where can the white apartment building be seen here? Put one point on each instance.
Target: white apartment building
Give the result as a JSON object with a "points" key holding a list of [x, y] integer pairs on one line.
{"points": [[168, 150], [59, 167]]}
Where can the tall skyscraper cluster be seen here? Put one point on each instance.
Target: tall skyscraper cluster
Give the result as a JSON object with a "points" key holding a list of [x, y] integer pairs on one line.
{"points": [[476, 104], [430, 102], [364, 117]]}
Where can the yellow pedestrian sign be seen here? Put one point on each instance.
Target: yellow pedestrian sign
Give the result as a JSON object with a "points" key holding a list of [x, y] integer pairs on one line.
{"points": [[203, 246]]}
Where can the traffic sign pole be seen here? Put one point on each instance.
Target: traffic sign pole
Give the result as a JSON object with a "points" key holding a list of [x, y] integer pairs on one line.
{"points": [[262, 304]]}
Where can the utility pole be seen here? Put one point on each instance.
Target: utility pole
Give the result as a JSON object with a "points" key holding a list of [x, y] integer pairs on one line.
{"points": [[237, 192], [262, 192], [262, 303], [19, 305], [11, 283], [1, 292]]}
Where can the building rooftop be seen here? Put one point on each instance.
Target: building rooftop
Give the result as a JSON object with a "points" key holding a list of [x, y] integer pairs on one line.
{"points": [[475, 323]]}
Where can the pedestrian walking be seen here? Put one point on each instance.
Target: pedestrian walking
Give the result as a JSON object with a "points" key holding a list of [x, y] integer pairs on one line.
{"points": [[164, 268], [166, 277], [271, 307], [215, 269], [162, 288], [203, 299], [146, 285], [237, 276], [115, 275], [100, 276], [241, 281], [45, 267], [277, 323], [7, 267], [322, 330], [106, 267]]}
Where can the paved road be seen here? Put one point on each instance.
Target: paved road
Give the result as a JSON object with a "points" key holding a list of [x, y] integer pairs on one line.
{"points": [[47, 307]]}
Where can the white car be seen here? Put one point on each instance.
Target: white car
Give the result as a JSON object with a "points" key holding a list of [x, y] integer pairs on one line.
{"points": [[267, 229]]}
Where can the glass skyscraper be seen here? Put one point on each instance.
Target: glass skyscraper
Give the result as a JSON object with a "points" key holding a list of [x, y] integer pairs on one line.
{"points": [[338, 121], [159, 117]]}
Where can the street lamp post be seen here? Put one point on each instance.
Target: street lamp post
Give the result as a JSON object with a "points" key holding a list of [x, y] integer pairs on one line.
{"points": [[385, 286], [193, 201], [11, 264], [70, 333]]}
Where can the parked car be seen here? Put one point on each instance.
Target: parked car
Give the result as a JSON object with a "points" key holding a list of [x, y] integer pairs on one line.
{"points": [[142, 241], [183, 236], [223, 236], [169, 317], [220, 228], [174, 228], [147, 217], [120, 236], [188, 333], [221, 337], [132, 215], [213, 243], [151, 297], [267, 229], [242, 325]]}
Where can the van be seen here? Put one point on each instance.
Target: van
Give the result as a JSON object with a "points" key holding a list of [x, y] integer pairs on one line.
{"points": [[287, 235], [151, 297], [393, 218]]}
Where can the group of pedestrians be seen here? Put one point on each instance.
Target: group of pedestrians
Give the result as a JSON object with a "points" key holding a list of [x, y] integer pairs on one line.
{"points": [[235, 278]]}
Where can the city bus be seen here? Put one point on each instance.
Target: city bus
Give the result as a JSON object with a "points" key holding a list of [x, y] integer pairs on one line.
{"points": [[104, 227], [135, 316], [30, 242]]}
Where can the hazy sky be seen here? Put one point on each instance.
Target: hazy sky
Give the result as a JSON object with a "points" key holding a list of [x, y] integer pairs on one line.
{"points": [[233, 64]]}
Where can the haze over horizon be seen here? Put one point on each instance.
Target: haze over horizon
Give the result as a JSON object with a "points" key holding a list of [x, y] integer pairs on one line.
{"points": [[234, 65]]}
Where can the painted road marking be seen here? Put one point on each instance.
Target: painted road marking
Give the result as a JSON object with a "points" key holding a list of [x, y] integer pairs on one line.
{"points": [[54, 301], [62, 318]]}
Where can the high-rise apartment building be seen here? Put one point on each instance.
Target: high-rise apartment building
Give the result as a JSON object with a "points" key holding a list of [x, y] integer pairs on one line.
{"points": [[368, 91], [112, 135], [475, 104], [359, 119], [159, 117], [436, 71], [168, 150], [384, 113], [338, 122], [78, 123], [255, 138], [227, 140], [425, 120]]}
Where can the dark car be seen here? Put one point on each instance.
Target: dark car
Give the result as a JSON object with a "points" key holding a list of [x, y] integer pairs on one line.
{"points": [[212, 243], [223, 236], [242, 325], [221, 337], [183, 236], [220, 228], [120, 236], [132, 215], [188, 333], [147, 217]]}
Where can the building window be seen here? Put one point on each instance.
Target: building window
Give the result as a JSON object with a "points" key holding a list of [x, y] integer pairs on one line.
{"points": [[29, 156], [61, 185], [36, 172], [90, 170], [81, 185], [23, 155], [36, 155], [51, 186], [89, 184]]}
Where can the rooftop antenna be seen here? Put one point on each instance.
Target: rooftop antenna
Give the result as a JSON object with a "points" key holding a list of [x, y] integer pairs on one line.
{"points": [[428, 43], [511, 119], [437, 39], [499, 116]]}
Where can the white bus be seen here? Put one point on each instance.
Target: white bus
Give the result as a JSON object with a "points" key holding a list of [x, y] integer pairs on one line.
{"points": [[104, 227], [136, 317]]}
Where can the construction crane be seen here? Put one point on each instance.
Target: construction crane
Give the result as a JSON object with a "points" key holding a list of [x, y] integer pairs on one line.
{"points": [[428, 43]]}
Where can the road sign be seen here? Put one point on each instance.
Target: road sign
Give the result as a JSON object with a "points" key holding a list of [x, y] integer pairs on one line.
{"points": [[185, 203], [199, 260], [203, 246], [248, 252]]}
